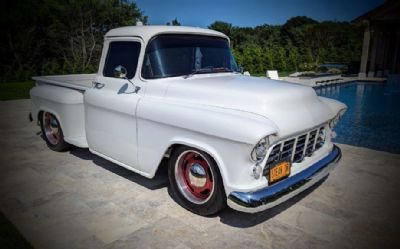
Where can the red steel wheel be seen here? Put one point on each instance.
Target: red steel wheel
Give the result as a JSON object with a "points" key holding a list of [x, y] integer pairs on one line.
{"points": [[52, 132], [51, 127], [194, 177], [195, 181]]}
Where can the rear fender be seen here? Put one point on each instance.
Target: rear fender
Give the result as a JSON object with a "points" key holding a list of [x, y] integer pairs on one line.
{"points": [[67, 105]]}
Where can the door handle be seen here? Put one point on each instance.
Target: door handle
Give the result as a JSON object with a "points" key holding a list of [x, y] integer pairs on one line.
{"points": [[98, 85]]}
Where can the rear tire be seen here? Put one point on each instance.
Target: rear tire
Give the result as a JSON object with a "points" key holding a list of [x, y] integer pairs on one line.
{"points": [[52, 132], [195, 181]]}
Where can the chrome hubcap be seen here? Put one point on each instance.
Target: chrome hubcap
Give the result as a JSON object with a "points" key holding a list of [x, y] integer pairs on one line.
{"points": [[197, 175]]}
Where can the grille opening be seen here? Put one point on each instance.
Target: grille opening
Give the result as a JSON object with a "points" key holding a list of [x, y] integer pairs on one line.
{"points": [[320, 138], [311, 142], [296, 148], [298, 153]]}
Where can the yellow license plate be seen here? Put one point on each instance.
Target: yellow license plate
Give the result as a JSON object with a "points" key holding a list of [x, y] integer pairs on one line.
{"points": [[279, 171]]}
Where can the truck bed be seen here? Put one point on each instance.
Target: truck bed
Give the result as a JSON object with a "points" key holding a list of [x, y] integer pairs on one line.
{"points": [[74, 81]]}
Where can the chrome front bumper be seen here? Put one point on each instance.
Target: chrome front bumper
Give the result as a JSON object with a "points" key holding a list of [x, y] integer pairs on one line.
{"points": [[252, 202]]}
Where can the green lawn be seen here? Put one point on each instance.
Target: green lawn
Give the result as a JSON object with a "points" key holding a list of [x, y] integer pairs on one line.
{"points": [[15, 90], [10, 238]]}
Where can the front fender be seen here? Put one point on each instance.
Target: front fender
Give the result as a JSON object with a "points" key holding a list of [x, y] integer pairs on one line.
{"points": [[226, 135], [224, 123], [333, 105]]}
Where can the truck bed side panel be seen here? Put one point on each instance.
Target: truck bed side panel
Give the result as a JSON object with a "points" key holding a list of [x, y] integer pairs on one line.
{"points": [[74, 81], [67, 105]]}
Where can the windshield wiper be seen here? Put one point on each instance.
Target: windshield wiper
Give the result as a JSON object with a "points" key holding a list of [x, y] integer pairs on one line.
{"points": [[197, 71], [209, 69]]}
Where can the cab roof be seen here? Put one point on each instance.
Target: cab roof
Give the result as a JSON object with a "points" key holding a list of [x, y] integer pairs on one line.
{"points": [[147, 32]]}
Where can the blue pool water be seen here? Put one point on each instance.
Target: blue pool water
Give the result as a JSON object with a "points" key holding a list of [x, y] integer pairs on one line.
{"points": [[373, 116]]}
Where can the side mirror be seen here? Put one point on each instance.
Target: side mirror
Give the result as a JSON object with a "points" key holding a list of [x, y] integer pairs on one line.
{"points": [[120, 72]]}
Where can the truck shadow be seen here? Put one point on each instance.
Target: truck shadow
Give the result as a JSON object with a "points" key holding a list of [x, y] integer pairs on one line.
{"points": [[228, 216], [159, 181], [243, 220]]}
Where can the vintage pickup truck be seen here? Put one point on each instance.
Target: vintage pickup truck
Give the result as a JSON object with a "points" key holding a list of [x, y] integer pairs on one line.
{"points": [[177, 93]]}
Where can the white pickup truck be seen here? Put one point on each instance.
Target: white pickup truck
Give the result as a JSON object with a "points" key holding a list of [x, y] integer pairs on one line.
{"points": [[177, 93]]}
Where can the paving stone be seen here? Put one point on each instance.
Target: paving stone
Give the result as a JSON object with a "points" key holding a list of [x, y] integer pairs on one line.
{"points": [[164, 233]]}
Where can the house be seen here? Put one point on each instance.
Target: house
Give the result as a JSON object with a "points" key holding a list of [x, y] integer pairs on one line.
{"points": [[381, 46]]}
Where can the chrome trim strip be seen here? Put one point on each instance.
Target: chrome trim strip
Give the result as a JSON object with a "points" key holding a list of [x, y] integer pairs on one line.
{"points": [[262, 199], [299, 133], [305, 145], [294, 148], [315, 139]]}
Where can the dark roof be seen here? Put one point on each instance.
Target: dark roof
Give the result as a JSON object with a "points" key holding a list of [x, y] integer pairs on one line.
{"points": [[388, 11]]}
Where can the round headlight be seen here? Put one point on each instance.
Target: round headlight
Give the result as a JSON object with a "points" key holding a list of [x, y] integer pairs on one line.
{"points": [[260, 150]]}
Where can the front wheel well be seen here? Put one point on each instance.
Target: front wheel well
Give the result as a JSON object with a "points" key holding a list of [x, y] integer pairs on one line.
{"points": [[173, 147]]}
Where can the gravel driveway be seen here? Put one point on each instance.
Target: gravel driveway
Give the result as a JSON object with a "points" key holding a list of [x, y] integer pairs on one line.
{"points": [[78, 200]]}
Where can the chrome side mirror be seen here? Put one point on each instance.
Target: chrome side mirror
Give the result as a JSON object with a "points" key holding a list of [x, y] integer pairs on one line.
{"points": [[120, 72]]}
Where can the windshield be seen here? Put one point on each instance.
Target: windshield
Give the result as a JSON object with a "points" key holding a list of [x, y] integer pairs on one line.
{"points": [[180, 55]]}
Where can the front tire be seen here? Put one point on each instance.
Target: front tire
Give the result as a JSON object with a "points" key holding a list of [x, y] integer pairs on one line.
{"points": [[195, 181], [52, 132]]}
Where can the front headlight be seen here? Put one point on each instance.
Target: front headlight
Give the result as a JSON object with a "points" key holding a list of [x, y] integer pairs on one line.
{"points": [[336, 119], [260, 150]]}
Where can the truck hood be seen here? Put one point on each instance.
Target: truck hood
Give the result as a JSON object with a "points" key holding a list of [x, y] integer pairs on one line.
{"points": [[291, 107]]}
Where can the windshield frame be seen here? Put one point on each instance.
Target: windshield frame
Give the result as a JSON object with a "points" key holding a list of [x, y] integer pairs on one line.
{"points": [[184, 34]]}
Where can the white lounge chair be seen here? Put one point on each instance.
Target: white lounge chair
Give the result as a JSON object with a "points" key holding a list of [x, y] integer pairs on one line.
{"points": [[272, 74]]}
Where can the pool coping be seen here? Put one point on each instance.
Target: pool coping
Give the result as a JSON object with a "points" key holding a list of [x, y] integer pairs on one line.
{"points": [[332, 80]]}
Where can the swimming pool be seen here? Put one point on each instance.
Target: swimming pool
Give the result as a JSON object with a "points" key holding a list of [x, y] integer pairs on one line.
{"points": [[373, 116]]}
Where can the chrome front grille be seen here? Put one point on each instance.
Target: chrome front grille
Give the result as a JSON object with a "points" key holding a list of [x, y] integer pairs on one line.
{"points": [[296, 148]]}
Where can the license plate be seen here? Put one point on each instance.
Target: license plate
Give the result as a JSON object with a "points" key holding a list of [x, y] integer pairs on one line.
{"points": [[279, 171]]}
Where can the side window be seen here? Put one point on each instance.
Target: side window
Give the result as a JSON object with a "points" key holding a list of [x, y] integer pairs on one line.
{"points": [[124, 53]]}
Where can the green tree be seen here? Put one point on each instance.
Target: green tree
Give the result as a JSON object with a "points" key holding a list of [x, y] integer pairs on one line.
{"points": [[222, 27], [293, 55], [174, 22], [55, 36]]}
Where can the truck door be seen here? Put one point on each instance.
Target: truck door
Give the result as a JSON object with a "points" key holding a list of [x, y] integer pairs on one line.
{"points": [[110, 106]]}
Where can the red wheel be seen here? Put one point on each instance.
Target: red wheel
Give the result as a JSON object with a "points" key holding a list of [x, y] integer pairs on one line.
{"points": [[52, 132], [196, 181], [52, 129], [194, 177]]}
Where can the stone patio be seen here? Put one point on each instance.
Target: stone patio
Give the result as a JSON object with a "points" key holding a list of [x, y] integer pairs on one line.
{"points": [[78, 200]]}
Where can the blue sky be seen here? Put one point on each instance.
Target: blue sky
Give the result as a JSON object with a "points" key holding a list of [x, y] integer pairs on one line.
{"points": [[249, 13]]}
